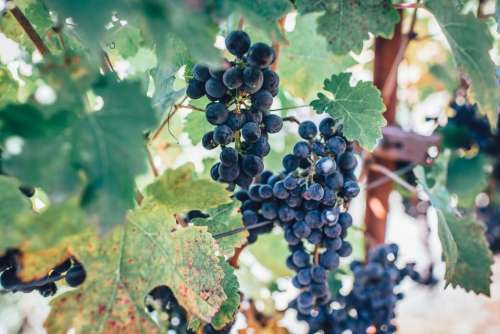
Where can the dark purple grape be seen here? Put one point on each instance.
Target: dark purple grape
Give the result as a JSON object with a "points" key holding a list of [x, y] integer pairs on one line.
{"points": [[251, 132], [201, 73], [307, 130], [195, 89], [215, 88], [208, 141], [273, 123], [261, 55], [252, 79], [233, 78], [216, 113], [237, 43], [223, 135]]}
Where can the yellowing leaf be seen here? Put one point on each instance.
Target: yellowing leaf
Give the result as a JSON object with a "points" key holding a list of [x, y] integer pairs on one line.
{"points": [[149, 250], [224, 218], [44, 239]]}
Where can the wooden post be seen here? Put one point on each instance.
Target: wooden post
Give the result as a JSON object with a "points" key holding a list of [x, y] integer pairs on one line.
{"points": [[377, 199]]}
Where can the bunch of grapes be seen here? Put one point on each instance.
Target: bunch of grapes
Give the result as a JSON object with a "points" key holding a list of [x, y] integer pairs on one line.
{"points": [[491, 216], [466, 129], [372, 300], [306, 201], [242, 93], [71, 270]]}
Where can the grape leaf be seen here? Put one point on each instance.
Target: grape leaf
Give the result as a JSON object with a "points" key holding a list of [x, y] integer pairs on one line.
{"points": [[165, 95], [470, 42], [179, 186], [196, 125], [123, 40], [467, 178], [150, 249], [305, 59], [347, 23], [48, 238], [263, 13], [224, 218], [106, 145], [91, 30], [272, 244], [13, 203], [45, 239], [231, 287], [8, 87], [465, 250], [359, 107]]}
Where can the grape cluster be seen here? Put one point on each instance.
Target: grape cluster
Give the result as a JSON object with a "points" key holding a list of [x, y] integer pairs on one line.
{"points": [[491, 216], [71, 270], [241, 93], [466, 129], [306, 201], [372, 300]]}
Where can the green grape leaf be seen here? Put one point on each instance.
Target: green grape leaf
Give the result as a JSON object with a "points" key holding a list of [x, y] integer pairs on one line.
{"points": [[13, 203], [8, 87], [45, 239], [91, 30], [180, 186], [124, 40], [148, 250], [165, 95], [467, 178], [470, 42], [263, 13], [347, 23], [196, 125], [222, 219], [272, 244], [231, 287], [465, 250], [304, 61], [359, 107], [107, 145]]}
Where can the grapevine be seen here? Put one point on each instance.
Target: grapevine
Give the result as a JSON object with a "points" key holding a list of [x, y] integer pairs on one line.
{"points": [[244, 166]]}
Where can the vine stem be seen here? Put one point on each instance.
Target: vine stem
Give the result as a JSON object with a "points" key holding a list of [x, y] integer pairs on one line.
{"points": [[291, 119], [406, 5], [393, 176], [109, 65], [391, 83], [36, 284], [276, 44], [240, 229], [386, 178], [151, 162], [28, 29], [293, 107], [171, 114], [241, 22]]}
